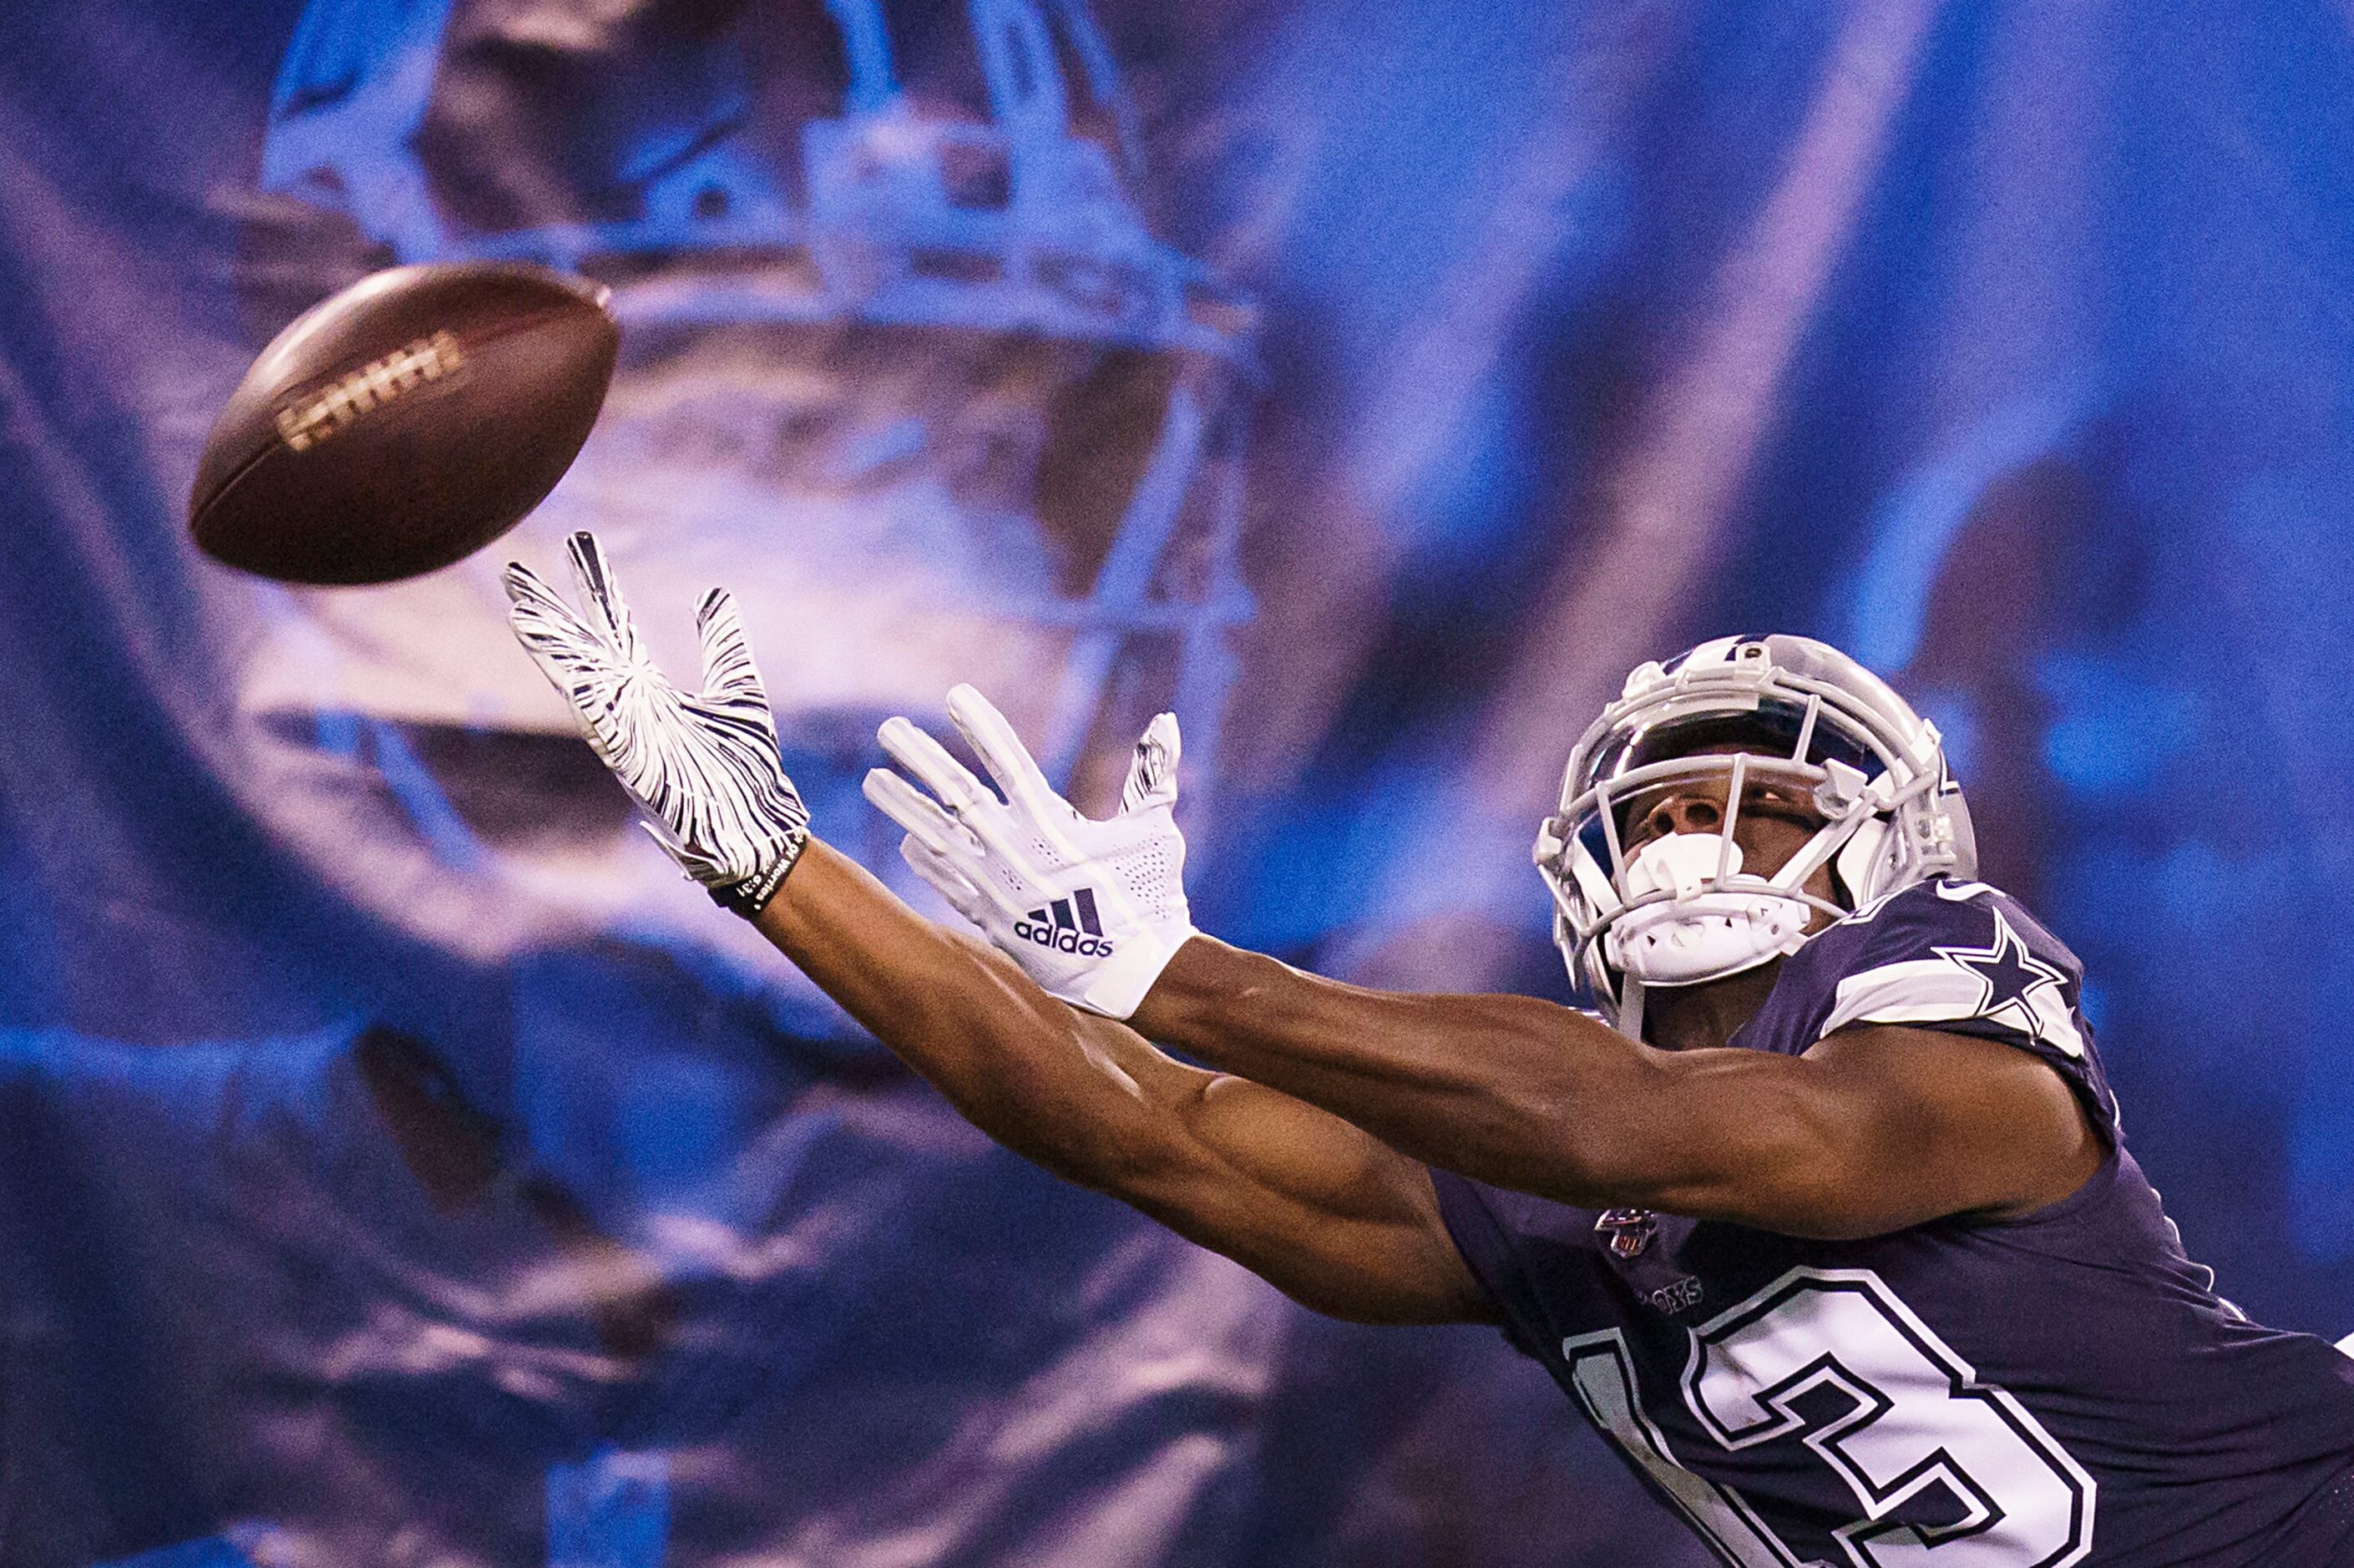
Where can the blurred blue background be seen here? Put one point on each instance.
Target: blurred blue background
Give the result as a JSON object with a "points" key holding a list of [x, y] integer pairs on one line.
{"points": [[398, 1165]]}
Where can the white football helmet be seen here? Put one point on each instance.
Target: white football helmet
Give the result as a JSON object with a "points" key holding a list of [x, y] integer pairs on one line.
{"points": [[1783, 710]]}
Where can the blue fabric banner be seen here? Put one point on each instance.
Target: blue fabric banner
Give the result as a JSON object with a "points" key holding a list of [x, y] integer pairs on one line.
{"points": [[400, 1163]]}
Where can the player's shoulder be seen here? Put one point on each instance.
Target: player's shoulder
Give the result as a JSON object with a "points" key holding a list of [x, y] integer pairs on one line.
{"points": [[1944, 910], [1945, 952]]}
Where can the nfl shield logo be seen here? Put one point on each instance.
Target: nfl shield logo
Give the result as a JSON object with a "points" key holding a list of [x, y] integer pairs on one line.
{"points": [[1629, 1230]]}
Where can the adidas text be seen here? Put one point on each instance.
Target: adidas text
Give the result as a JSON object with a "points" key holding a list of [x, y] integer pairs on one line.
{"points": [[1064, 941]]}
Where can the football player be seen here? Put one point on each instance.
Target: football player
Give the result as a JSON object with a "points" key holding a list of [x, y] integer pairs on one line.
{"points": [[1827, 1221]]}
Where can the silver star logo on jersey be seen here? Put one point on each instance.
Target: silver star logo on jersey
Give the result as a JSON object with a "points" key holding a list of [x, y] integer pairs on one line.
{"points": [[2011, 976]]}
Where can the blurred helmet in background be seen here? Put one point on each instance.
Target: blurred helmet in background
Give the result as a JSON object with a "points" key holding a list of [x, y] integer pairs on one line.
{"points": [[901, 364]]}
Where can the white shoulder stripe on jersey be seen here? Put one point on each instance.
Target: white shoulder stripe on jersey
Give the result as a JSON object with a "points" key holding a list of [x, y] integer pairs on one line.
{"points": [[1939, 990], [1952, 892]]}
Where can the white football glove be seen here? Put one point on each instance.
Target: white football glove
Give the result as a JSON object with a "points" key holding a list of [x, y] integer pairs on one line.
{"points": [[704, 767], [1092, 911]]}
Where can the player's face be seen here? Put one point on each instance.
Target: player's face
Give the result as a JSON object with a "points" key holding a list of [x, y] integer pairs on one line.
{"points": [[1775, 820]]}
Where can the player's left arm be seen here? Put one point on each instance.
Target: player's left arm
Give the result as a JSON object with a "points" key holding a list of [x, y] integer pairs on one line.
{"points": [[1878, 1127]]}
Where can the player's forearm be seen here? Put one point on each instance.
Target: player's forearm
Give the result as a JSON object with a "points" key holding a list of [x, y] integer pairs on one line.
{"points": [[1011, 1059], [1508, 1090]]}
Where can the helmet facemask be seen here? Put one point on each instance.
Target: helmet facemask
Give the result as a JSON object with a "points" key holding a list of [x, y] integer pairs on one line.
{"points": [[1784, 714]]}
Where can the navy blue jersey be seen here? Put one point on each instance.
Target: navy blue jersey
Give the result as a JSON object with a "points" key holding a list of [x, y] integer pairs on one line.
{"points": [[2062, 1388]]}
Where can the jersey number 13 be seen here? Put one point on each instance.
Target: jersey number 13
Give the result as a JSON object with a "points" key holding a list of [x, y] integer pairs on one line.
{"points": [[1908, 1420]]}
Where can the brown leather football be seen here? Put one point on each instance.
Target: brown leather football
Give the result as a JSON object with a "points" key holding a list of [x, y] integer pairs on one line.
{"points": [[404, 423]]}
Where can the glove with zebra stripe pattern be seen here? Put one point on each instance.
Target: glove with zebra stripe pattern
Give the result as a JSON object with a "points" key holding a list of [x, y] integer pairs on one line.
{"points": [[703, 766]]}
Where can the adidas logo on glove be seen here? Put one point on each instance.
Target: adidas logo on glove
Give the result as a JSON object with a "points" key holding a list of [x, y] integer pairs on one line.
{"points": [[1064, 928], [991, 852]]}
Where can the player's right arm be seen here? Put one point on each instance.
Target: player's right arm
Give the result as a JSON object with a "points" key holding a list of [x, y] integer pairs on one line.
{"points": [[1322, 1211]]}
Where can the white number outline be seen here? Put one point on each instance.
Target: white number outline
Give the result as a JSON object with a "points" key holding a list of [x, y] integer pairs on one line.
{"points": [[1603, 1373]]}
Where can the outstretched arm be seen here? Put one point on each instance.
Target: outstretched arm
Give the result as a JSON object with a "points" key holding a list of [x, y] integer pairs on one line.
{"points": [[1324, 1212], [1876, 1128], [1873, 1130], [1330, 1215]]}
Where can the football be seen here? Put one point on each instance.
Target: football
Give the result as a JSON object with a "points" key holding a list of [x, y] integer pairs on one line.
{"points": [[404, 423]]}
